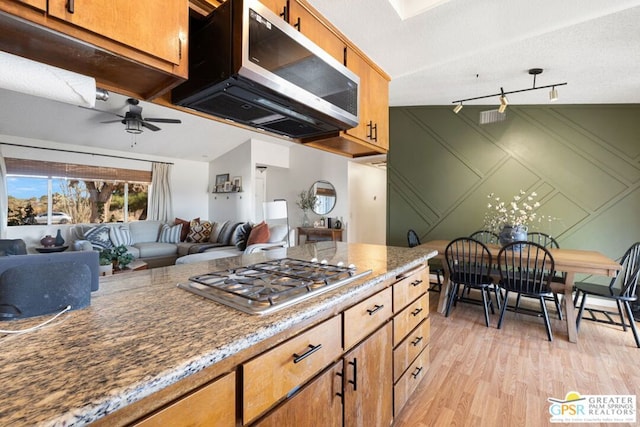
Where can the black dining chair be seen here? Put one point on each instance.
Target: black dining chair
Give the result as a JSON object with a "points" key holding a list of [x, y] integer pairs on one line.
{"points": [[526, 271], [469, 262], [434, 266], [621, 289], [485, 236]]}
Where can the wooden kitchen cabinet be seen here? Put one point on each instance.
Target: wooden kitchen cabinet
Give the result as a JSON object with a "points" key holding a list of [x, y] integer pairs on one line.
{"points": [[368, 394], [38, 4], [319, 402], [307, 22], [365, 317], [136, 48], [213, 405], [272, 375]]}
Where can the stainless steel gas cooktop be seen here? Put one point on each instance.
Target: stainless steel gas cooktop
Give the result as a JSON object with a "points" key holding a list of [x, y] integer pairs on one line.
{"points": [[271, 285]]}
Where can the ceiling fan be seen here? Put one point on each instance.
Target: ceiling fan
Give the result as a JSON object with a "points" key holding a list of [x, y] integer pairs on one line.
{"points": [[133, 120]]}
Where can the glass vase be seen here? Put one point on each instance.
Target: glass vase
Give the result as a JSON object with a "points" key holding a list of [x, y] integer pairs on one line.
{"points": [[510, 234], [305, 219]]}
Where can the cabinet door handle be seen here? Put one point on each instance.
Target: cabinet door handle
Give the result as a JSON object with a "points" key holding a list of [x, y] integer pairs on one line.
{"points": [[416, 311], [285, 13], [416, 341], [340, 393], [312, 349], [70, 6], [297, 24], [354, 381], [374, 132], [375, 308], [370, 129], [417, 372], [416, 282]]}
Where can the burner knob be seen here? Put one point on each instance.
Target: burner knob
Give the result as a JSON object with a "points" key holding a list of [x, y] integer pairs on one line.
{"points": [[324, 261], [340, 264], [352, 266], [314, 259]]}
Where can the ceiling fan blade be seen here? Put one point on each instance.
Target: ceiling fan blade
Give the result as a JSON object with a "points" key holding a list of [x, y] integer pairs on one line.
{"points": [[150, 126], [101, 111], [112, 121], [164, 120]]}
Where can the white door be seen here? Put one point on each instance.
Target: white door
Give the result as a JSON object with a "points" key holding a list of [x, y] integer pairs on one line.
{"points": [[260, 192]]}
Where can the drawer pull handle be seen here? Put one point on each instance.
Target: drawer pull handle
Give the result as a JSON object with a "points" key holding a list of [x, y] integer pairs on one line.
{"points": [[416, 311], [70, 6], [416, 341], [341, 395], [354, 381], [312, 349], [416, 282], [417, 372], [375, 308]]}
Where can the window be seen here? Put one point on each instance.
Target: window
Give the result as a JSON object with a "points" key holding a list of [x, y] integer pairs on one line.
{"points": [[59, 193]]}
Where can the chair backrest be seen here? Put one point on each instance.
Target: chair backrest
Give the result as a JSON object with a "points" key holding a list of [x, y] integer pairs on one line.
{"points": [[485, 236], [412, 238], [526, 267], [469, 261], [626, 280], [542, 239]]}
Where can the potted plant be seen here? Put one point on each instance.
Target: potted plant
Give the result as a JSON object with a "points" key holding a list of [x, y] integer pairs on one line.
{"points": [[106, 262], [121, 257]]}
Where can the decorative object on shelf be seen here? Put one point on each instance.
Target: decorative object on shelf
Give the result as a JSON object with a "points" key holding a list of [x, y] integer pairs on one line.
{"points": [[511, 220], [237, 183], [221, 179], [59, 240], [48, 241], [306, 200], [52, 249], [338, 223], [228, 187], [553, 94]]}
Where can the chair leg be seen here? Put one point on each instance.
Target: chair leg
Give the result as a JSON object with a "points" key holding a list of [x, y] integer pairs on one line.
{"points": [[624, 325], [579, 316], [504, 308], [517, 306], [453, 292], [557, 302], [486, 307], [575, 298], [547, 322], [488, 292], [633, 322], [496, 290]]}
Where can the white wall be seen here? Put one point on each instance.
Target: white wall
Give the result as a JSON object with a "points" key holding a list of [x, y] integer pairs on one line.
{"points": [[368, 201], [188, 178], [233, 206]]}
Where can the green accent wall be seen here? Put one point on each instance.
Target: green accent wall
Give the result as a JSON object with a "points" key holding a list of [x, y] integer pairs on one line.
{"points": [[582, 160]]}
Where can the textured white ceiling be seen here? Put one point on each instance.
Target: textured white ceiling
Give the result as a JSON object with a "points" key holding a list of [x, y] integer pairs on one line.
{"points": [[456, 49]]}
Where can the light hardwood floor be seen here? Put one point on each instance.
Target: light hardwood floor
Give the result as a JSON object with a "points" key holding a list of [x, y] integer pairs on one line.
{"points": [[483, 376]]}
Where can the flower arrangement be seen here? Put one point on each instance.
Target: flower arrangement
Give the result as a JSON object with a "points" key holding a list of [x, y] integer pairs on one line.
{"points": [[118, 256], [518, 213], [306, 200]]}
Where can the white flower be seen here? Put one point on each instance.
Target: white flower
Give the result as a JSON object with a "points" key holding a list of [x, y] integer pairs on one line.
{"points": [[519, 212]]}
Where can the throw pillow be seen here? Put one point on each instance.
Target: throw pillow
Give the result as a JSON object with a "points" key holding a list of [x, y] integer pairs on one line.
{"points": [[186, 227], [99, 237], [241, 235], [215, 232], [170, 233], [199, 232], [227, 232], [120, 235], [259, 234]]}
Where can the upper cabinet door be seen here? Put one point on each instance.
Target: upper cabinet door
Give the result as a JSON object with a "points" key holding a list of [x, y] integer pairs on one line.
{"points": [[316, 31], [38, 4], [156, 28]]}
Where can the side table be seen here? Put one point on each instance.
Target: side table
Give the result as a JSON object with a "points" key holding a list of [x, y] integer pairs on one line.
{"points": [[318, 234]]}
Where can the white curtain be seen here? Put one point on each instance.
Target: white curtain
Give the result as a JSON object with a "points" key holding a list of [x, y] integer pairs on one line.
{"points": [[161, 205], [4, 201]]}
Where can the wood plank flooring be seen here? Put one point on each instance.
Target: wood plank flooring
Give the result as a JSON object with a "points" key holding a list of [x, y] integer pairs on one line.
{"points": [[483, 376]]}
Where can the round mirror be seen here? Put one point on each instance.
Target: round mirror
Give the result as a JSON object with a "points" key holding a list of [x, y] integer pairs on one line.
{"points": [[325, 194]]}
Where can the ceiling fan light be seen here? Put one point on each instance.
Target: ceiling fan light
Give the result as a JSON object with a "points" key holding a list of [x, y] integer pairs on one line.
{"points": [[553, 94], [457, 108], [133, 126]]}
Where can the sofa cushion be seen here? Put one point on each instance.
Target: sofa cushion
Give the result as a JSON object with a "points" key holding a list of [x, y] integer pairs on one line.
{"points": [[215, 231], [145, 231], [241, 235], [155, 249], [227, 233], [199, 231], [99, 237], [186, 227], [120, 235], [259, 234], [170, 233]]}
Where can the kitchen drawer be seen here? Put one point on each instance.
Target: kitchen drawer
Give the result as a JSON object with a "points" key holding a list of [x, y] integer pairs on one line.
{"points": [[409, 381], [196, 408], [272, 375], [365, 317], [409, 318], [414, 283], [408, 349]]}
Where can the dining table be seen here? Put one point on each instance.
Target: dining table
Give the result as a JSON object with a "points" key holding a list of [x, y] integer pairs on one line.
{"points": [[569, 261]]}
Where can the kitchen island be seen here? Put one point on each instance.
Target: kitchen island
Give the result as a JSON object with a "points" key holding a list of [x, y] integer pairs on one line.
{"points": [[144, 342]]}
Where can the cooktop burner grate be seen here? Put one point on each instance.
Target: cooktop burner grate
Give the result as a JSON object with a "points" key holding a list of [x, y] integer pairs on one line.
{"points": [[266, 286]]}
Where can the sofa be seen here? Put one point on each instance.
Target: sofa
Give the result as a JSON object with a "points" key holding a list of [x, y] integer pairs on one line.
{"points": [[160, 244]]}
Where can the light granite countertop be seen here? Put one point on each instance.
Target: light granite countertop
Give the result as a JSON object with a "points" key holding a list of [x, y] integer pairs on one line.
{"points": [[142, 333]]}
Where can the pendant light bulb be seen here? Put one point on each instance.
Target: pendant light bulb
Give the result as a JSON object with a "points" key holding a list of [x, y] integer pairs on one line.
{"points": [[503, 102], [457, 108], [553, 94]]}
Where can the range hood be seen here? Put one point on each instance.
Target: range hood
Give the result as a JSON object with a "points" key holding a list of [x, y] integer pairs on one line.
{"points": [[248, 65]]}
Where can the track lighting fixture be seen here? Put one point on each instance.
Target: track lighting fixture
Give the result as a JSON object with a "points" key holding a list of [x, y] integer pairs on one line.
{"points": [[553, 94]]}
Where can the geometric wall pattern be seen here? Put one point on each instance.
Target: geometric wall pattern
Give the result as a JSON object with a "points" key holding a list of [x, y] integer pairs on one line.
{"points": [[583, 161]]}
